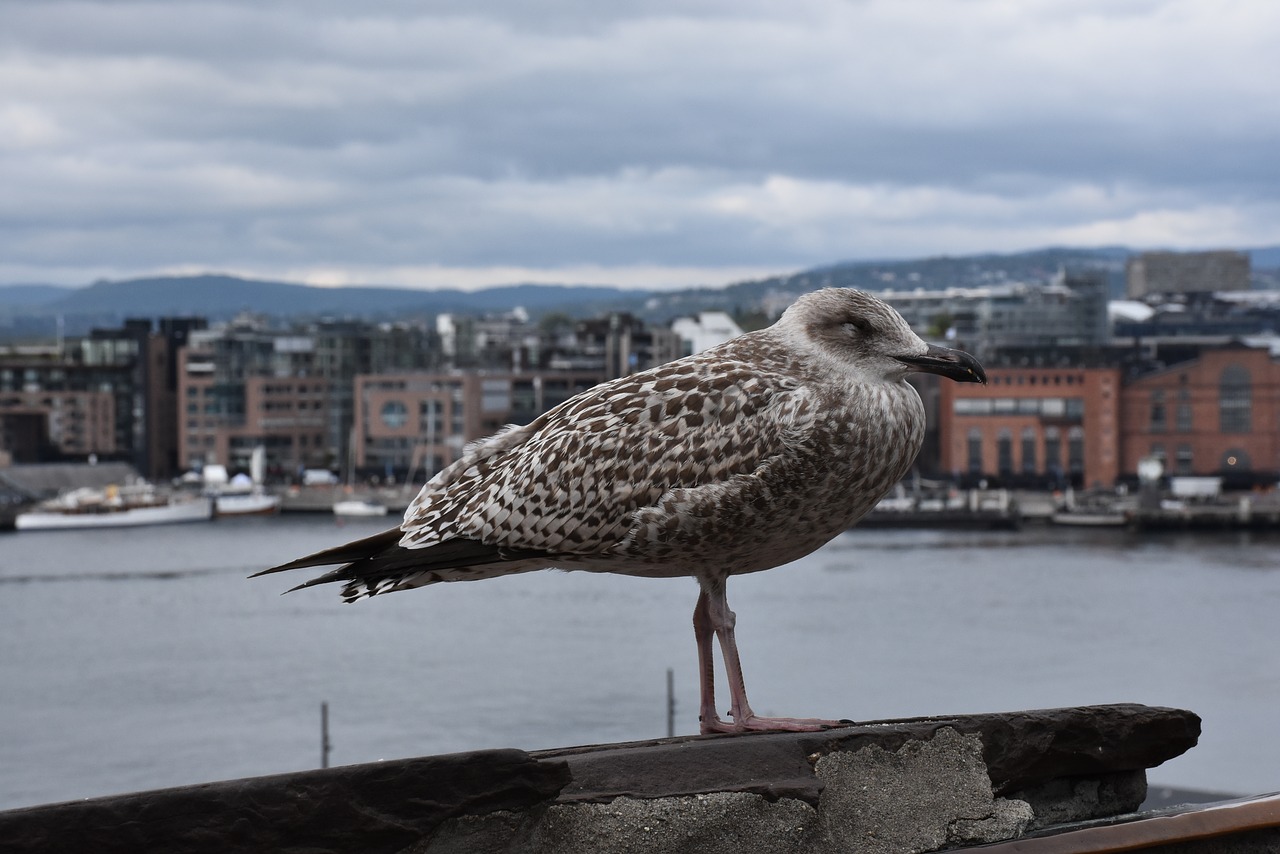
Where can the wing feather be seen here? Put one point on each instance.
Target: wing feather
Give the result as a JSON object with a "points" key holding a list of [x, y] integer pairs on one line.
{"points": [[572, 482]]}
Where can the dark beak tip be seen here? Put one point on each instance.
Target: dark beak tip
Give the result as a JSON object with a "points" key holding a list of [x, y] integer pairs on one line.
{"points": [[956, 365]]}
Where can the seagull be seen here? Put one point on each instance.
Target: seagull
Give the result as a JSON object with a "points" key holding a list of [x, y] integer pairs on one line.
{"points": [[737, 459]]}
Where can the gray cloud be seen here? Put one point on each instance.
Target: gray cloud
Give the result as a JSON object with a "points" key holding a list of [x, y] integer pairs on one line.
{"points": [[660, 141]]}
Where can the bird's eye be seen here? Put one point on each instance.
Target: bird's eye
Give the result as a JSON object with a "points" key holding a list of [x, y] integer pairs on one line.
{"points": [[858, 325]]}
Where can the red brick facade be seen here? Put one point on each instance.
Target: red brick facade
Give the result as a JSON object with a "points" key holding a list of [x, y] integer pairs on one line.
{"points": [[1216, 415], [1034, 426]]}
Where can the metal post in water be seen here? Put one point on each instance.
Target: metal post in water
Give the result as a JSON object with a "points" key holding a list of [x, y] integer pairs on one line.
{"points": [[325, 744], [671, 703]]}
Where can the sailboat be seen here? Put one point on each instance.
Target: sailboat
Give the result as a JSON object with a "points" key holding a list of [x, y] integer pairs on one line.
{"points": [[356, 506]]}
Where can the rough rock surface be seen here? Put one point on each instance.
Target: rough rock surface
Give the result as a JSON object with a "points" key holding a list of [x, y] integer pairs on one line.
{"points": [[921, 797]]}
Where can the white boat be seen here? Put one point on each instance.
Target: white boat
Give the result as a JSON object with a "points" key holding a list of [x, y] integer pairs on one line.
{"points": [[242, 495], [255, 502], [1093, 509], [359, 507], [1090, 518], [114, 507]]}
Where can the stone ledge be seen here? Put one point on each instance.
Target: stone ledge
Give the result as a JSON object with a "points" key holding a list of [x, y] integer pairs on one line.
{"points": [[907, 785], [1021, 750]]}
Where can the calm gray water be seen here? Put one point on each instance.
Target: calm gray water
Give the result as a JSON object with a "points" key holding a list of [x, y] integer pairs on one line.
{"points": [[141, 659]]}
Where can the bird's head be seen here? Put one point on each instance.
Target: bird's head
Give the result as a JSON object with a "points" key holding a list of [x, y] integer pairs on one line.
{"points": [[868, 336]]}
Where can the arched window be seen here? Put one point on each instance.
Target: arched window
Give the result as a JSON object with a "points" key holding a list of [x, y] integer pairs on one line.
{"points": [[1184, 411], [1159, 418], [1235, 400], [1028, 450]]}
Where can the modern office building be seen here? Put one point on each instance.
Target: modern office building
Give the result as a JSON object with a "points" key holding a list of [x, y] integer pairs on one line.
{"points": [[1151, 273], [1070, 311]]}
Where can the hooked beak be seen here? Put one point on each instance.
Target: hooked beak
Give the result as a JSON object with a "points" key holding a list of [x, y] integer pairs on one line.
{"points": [[953, 364]]}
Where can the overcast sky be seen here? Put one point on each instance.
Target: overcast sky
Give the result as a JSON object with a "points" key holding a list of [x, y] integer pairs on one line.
{"points": [[637, 143]]}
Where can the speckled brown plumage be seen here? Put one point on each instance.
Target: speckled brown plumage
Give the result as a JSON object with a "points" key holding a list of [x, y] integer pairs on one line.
{"points": [[737, 459]]}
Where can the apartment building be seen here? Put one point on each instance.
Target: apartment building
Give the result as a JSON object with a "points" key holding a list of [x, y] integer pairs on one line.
{"points": [[410, 425], [36, 425], [247, 384], [1048, 427], [55, 397], [223, 423]]}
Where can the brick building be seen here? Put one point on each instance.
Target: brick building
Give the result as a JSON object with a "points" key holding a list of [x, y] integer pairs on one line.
{"points": [[35, 425], [410, 422], [218, 423], [1218, 414], [1033, 427]]}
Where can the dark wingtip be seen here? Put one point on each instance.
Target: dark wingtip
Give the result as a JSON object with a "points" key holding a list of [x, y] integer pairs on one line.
{"points": [[345, 553]]}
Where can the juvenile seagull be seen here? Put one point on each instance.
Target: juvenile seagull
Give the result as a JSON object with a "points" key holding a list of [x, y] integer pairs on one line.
{"points": [[738, 459]]}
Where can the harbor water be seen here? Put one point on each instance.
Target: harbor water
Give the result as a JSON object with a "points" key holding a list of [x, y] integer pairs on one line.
{"points": [[144, 658]]}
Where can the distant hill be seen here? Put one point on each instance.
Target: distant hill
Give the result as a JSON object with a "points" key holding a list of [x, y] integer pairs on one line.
{"points": [[29, 312], [222, 296], [32, 311], [23, 296], [1265, 259]]}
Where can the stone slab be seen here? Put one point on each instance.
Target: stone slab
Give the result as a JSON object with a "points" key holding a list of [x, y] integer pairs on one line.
{"points": [[398, 805], [372, 808]]}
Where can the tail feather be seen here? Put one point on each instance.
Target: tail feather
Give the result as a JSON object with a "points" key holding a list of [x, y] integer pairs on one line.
{"points": [[346, 553], [375, 563]]}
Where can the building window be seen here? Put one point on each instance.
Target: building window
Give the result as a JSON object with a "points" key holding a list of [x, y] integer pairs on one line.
{"points": [[1235, 400], [1052, 451], [431, 419], [1075, 450], [970, 406], [1183, 460], [1004, 453], [1183, 413], [495, 395], [975, 451], [1159, 422], [394, 414], [1028, 450]]}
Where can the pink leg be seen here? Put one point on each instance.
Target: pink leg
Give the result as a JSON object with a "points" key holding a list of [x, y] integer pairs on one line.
{"points": [[712, 614], [702, 632]]}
